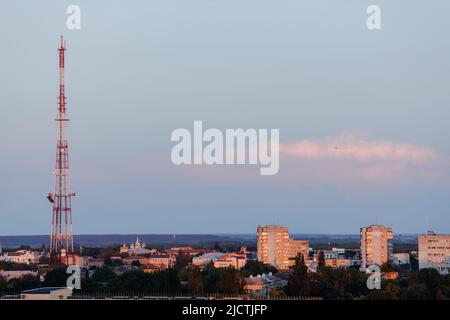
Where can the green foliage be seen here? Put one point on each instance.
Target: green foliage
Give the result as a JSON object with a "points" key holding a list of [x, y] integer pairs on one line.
{"points": [[387, 267], [88, 251], [3, 283], [415, 291], [195, 281], [103, 274], [254, 267], [55, 278], [213, 280], [24, 283], [320, 261], [327, 282], [426, 284], [12, 266], [166, 281], [183, 260], [132, 281], [392, 291], [136, 263], [211, 277], [300, 282], [230, 281]]}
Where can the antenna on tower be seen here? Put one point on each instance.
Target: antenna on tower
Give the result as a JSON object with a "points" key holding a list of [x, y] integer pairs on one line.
{"points": [[63, 42]]}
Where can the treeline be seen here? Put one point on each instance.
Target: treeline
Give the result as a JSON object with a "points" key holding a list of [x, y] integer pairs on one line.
{"points": [[350, 283], [13, 266], [181, 279], [169, 281], [327, 282]]}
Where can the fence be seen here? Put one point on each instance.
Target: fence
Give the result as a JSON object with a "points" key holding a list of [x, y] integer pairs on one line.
{"points": [[164, 296]]}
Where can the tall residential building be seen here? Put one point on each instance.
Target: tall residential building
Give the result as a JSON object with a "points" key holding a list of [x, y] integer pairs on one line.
{"points": [[376, 245], [434, 252], [276, 248]]}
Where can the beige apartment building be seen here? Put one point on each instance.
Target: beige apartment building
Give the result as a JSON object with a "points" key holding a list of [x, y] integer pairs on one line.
{"points": [[434, 252], [231, 259], [376, 245], [276, 248]]}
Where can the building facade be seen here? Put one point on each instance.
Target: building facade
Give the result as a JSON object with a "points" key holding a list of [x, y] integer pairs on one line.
{"points": [[206, 258], [434, 252], [21, 256], [275, 247], [161, 260], [232, 259], [400, 258], [376, 245], [136, 248]]}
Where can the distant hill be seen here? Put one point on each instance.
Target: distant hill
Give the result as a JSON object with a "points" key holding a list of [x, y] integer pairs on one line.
{"points": [[100, 240], [166, 240]]}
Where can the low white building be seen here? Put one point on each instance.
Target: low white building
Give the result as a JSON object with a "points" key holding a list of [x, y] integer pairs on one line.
{"points": [[206, 258], [235, 260], [46, 293], [21, 256], [263, 283], [400, 258]]}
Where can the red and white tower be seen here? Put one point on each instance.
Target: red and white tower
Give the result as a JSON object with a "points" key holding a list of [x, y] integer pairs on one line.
{"points": [[61, 238]]}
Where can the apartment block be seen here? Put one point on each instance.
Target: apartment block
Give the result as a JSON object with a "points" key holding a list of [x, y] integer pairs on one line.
{"points": [[434, 252], [275, 247], [376, 245]]}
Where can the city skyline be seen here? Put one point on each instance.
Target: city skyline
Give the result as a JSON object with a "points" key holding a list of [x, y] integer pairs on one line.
{"points": [[362, 116]]}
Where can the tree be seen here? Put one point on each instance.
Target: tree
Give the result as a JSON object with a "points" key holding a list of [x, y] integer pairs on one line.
{"points": [[431, 279], [103, 274], [183, 260], [136, 263], [132, 281], [230, 281], [439, 295], [415, 291], [299, 283], [166, 281], [17, 266], [195, 281], [24, 283], [255, 267], [55, 278], [387, 267], [355, 284], [211, 276], [2, 283], [393, 290], [320, 261]]}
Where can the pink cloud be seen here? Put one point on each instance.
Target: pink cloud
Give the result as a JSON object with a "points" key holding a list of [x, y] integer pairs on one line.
{"points": [[351, 148], [345, 160]]}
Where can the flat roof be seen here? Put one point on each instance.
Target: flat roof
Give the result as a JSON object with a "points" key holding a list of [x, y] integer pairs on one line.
{"points": [[44, 290]]}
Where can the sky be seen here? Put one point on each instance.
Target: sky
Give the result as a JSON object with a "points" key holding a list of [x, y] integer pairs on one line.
{"points": [[363, 115]]}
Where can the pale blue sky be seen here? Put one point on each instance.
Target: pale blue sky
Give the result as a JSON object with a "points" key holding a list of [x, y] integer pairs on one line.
{"points": [[139, 69]]}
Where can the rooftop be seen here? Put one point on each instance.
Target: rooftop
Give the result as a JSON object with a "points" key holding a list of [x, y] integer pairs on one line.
{"points": [[44, 290]]}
